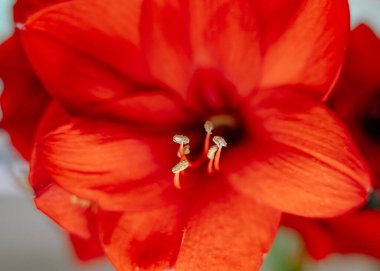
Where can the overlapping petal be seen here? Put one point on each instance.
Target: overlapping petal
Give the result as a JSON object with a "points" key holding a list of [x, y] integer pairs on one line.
{"points": [[59, 205], [226, 231], [119, 58], [24, 8], [356, 100], [106, 70], [87, 249], [352, 233], [299, 170], [311, 49], [147, 240], [21, 86], [112, 163]]}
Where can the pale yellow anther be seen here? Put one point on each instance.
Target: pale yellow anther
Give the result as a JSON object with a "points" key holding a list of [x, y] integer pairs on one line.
{"points": [[209, 127], [181, 166], [181, 139], [218, 140], [211, 152], [80, 202]]}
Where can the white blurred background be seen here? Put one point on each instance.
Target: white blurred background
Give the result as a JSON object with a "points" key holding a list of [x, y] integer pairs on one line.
{"points": [[29, 241]]}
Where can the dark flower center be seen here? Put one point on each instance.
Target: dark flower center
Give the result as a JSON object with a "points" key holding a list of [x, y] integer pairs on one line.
{"points": [[220, 130], [373, 202], [371, 118]]}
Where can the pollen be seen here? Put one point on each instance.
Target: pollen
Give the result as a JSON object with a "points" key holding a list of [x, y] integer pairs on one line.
{"points": [[181, 166], [211, 152], [209, 126], [219, 141], [181, 139]]}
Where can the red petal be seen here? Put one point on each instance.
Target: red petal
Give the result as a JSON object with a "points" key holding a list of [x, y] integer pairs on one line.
{"points": [[357, 232], [58, 205], [317, 239], [226, 231], [106, 71], [166, 44], [311, 50], [212, 34], [21, 86], [24, 8], [285, 13], [227, 31], [146, 240], [115, 164], [356, 100], [363, 57], [87, 249], [304, 162]]}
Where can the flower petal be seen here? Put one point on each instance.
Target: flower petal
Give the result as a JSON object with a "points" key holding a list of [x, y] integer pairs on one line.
{"points": [[167, 44], [356, 232], [226, 231], [87, 249], [208, 34], [58, 204], [117, 165], [24, 8], [224, 35], [311, 50], [101, 62], [305, 162], [20, 87], [356, 99], [146, 240], [284, 12]]}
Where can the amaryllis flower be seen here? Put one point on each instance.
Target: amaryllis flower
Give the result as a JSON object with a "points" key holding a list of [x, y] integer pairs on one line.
{"points": [[357, 101], [235, 84], [24, 102]]}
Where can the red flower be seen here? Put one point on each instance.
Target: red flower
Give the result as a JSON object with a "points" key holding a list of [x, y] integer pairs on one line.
{"points": [[23, 103], [357, 101], [132, 74]]}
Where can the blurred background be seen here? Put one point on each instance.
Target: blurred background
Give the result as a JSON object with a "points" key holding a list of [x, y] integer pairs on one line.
{"points": [[29, 241]]}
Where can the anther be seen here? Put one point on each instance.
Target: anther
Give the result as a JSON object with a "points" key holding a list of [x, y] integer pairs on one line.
{"points": [[177, 169], [181, 166], [211, 152], [209, 127], [186, 151], [219, 141], [181, 139]]}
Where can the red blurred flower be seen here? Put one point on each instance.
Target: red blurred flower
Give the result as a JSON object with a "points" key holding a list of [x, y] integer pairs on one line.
{"points": [[357, 102], [24, 102], [127, 76]]}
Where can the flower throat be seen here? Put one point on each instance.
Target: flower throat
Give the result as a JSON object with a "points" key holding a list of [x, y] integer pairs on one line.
{"points": [[210, 153]]}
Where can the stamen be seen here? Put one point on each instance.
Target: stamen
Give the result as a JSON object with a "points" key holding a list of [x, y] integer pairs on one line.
{"points": [[218, 140], [177, 169], [209, 127], [181, 166], [217, 159], [211, 155], [186, 151], [211, 152], [181, 139]]}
